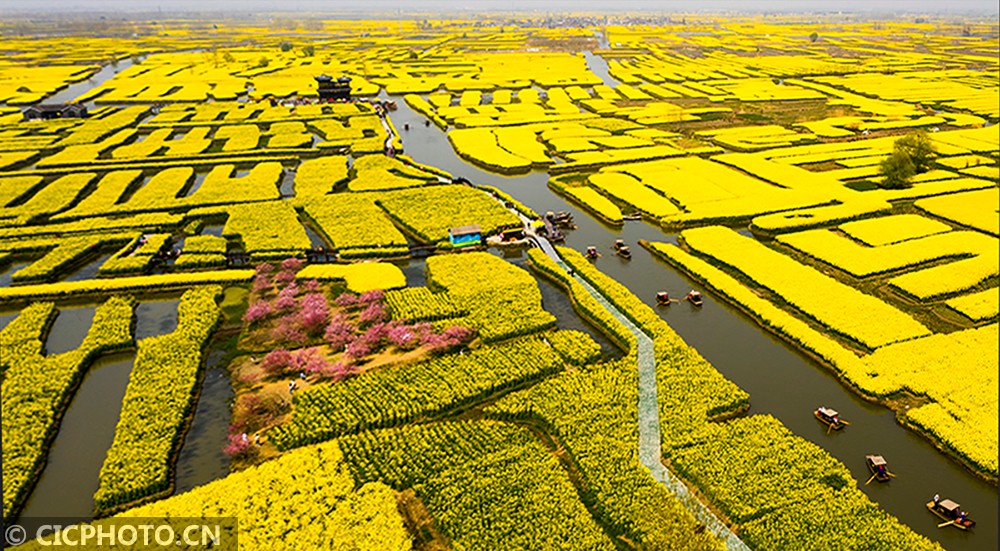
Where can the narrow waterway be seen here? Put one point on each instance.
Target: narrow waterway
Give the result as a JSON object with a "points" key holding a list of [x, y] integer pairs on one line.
{"points": [[155, 318], [315, 239], [88, 270], [558, 303], [77, 89], [287, 185], [68, 329], [6, 318], [599, 67], [67, 485], [415, 273], [781, 381], [201, 459], [215, 230], [6, 274], [71, 474]]}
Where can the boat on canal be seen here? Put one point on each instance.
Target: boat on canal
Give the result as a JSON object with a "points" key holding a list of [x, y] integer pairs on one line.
{"points": [[951, 513], [879, 468]]}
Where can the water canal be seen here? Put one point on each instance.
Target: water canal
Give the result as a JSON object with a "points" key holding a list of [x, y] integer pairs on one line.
{"points": [[68, 329], [67, 484], [201, 458], [77, 89], [70, 476], [781, 380]]}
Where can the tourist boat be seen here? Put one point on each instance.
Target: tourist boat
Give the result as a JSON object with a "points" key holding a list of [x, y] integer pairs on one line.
{"points": [[951, 513], [634, 216], [619, 244], [830, 418], [592, 253], [694, 297], [878, 467], [624, 252], [663, 298], [561, 220]]}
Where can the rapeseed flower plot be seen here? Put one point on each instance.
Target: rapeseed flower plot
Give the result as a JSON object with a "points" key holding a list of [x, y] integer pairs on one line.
{"points": [[156, 404], [822, 298], [863, 261], [342, 512], [887, 230], [974, 209]]}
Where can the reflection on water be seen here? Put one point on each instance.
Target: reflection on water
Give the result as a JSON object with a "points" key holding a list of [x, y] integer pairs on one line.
{"points": [[89, 270], [212, 230], [199, 179], [201, 459], [415, 274], [315, 239], [557, 302], [155, 318], [7, 274], [72, 91], [67, 485], [599, 66], [69, 329], [6, 318], [287, 186]]}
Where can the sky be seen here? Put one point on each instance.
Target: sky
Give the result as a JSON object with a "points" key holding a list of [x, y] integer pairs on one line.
{"points": [[925, 6]]}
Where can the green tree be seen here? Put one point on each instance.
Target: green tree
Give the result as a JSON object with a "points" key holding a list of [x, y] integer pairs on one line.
{"points": [[286, 46], [264, 62], [919, 148], [911, 155], [813, 37], [309, 50], [897, 170]]}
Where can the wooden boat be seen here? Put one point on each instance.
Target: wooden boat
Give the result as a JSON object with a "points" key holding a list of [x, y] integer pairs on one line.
{"points": [[624, 252], [663, 298], [619, 244], [951, 513], [830, 418], [878, 467], [592, 253], [561, 217], [635, 216], [694, 297]]}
